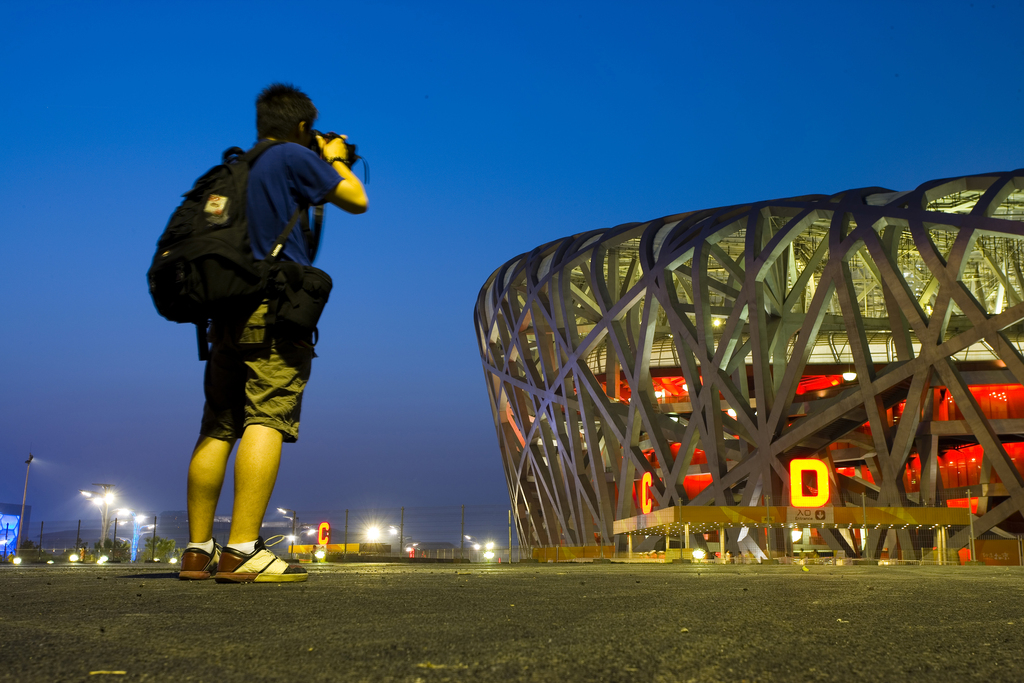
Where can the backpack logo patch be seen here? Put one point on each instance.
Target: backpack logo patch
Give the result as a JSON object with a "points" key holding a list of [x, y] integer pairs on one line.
{"points": [[217, 210]]}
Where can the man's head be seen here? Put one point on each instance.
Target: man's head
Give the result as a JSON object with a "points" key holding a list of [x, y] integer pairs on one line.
{"points": [[283, 112]]}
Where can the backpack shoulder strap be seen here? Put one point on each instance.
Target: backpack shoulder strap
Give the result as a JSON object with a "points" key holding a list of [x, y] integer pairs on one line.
{"points": [[279, 244], [258, 149]]}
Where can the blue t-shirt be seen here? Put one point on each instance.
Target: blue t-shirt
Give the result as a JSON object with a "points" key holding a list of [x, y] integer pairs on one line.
{"points": [[283, 178]]}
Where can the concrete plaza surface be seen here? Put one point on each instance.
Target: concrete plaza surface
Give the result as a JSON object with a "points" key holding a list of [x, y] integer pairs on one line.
{"points": [[564, 622]]}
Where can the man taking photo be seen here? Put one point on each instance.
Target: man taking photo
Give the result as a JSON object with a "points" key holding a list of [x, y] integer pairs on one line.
{"points": [[256, 374]]}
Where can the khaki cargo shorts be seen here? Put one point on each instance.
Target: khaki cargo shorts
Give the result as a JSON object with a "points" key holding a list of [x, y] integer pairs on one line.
{"points": [[253, 378]]}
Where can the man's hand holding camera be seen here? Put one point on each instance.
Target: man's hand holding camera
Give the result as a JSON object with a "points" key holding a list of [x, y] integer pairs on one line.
{"points": [[334, 148], [349, 194]]}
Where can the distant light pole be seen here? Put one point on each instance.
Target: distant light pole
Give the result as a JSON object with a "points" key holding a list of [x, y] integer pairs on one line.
{"points": [[103, 502], [21, 519], [294, 518]]}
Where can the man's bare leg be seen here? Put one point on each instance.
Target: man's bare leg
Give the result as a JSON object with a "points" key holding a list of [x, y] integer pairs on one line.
{"points": [[205, 478], [256, 463]]}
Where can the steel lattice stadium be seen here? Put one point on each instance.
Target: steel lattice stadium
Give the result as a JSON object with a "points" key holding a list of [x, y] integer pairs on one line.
{"points": [[874, 331]]}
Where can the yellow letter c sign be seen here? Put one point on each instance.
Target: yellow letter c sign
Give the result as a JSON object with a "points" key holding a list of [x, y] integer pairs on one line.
{"points": [[646, 502], [323, 535], [796, 483]]}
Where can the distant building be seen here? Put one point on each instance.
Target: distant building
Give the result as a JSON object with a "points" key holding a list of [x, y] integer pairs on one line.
{"points": [[10, 515]]}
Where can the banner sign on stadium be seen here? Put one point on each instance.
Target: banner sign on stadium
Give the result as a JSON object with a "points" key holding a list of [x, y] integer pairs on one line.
{"points": [[810, 515]]}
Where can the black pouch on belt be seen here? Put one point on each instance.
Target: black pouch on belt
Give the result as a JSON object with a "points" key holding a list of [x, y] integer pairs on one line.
{"points": [[297, 295]]}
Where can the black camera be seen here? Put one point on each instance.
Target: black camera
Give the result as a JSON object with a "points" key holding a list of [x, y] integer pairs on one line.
{"points": [[350, 149], [351, 157]]}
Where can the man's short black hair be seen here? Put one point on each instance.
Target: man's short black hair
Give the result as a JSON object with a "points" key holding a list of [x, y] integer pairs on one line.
{"points": [[279, 108]]}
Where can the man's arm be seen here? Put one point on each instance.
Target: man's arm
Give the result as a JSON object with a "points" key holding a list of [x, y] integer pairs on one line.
{"points": [[348, 195]]}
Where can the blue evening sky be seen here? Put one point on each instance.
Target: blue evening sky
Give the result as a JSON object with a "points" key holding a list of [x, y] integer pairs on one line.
{"points": [[491, 128]]}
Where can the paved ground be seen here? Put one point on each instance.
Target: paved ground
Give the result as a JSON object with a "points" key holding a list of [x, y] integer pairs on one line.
{"points": [[517, 623]]}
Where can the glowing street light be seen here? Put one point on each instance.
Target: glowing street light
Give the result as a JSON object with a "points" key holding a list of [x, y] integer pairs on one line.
{"points": [[102, 501], [295, 518], [136, 530], [372, 534]]}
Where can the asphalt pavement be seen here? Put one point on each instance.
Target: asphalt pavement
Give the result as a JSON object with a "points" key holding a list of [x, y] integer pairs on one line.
{"points": [[548, 622]]}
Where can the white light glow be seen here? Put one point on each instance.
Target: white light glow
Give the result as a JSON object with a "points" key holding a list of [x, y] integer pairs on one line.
{"points": [[173, 560], [489, 555], [490, 546], [73, 558], [731, 412], [109, 498], [394, 531], [849, 376], [476, 546], [373, 533], [103, 558], [16, 560], [795, 535], [320, 554], [699, 554]]}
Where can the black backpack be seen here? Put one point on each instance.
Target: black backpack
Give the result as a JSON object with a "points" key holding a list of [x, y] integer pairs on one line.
{"points": [[204, 267]]}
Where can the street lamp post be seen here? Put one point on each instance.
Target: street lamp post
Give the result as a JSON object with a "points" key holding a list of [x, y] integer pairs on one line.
{"points": [[392, 531], [21, 519], [103, 502], [291, 541]]}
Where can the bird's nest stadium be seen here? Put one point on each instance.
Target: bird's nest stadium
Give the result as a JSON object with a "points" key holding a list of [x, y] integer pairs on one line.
{"points": [[844, 370]]}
